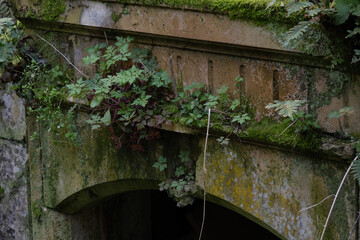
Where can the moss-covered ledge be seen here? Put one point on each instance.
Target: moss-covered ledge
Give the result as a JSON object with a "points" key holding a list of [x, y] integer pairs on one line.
{"points": [[271, 134], [143, 17], [256, 10]]}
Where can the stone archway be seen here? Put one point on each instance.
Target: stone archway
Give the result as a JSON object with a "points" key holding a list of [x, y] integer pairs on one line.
{"points": [[149, 214]]}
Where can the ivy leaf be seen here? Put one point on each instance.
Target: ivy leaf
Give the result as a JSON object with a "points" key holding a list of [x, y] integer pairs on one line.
{"points": [[179, 171], [161, 163], [235, 104], [184, 156], [241, 118], [90, 59], [356, 56], [223, 141], [160, 79], [96, 102], [106, 120], [223, 90], [142, 100]]}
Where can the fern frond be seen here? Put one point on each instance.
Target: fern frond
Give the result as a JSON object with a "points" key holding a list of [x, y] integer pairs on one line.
{"points": [[298, 6], [314, 12], [297, 31], [4, 9], [286, 108], [356, 169]]}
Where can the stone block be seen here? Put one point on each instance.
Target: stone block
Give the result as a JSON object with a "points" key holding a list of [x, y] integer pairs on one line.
{"points": [[13, 204], [12, 118]]}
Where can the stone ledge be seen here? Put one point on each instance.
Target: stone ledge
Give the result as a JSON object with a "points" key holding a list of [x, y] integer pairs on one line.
{"points": [[329, 147]]}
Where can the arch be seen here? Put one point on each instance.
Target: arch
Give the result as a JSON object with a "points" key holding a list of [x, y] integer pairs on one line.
{"points": [[226, 204], [99, 193], [90, 196]]}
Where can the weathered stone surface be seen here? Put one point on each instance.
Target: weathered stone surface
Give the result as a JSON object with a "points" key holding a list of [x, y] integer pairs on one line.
{"points": [[13, 206], [272, 188], [267, 186], [12, 120]]}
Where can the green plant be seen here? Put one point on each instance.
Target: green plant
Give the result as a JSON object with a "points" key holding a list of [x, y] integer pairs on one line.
{"points": [[291, 111], [228, 110], [181, 185], [129, 89], [44, 89], [10, 35], [337, 114], [335, 23], [4, 9]]}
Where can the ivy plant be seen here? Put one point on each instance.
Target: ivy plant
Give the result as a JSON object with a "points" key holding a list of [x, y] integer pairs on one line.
{"points": [[336, 22], [181, 185], [45, 91], [10, 35], [129, 89]]}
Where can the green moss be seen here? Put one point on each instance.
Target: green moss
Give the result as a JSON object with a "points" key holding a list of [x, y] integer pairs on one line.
{"points": [[52, 9], [36, 210], [273, 132], [236, 9]]}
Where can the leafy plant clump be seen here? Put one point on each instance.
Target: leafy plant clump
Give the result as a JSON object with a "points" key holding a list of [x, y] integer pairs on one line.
{"points": [[130, 90], [10, 36], [296, 127], [195, 101], [181, 185], [45, 90], [328, 28]]}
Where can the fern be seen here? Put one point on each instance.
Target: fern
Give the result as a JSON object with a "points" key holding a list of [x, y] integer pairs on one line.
{"points": [[297, 31], [356, 169], [287, 108], [298, 6], [4, 9]]}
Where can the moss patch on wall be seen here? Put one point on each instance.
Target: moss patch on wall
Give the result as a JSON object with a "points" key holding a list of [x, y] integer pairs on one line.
{"points": [[235, 9], [52, 9]]}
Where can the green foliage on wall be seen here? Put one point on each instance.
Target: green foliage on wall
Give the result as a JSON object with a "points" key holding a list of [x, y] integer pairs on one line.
{"points": [[181, 185], [328, 28], [10, 35]]}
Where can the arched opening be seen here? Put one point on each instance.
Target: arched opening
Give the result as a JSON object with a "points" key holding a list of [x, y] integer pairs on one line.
{"points": [[153, 215]]}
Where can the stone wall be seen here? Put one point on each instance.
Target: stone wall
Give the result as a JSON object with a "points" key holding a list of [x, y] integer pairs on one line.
{"points": [[13, 167]]}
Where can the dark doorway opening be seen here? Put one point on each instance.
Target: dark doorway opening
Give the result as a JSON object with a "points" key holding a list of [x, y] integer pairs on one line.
{"points": [[152, 215]]}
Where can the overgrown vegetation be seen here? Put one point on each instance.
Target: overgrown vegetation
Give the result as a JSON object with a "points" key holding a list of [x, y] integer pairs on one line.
{"points": [[129, 90], [328, 28], [10, 36], [181, 186], [46, 93]]}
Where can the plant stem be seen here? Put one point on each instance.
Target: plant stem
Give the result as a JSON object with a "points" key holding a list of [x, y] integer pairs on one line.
{"points": [[337, 194], [204, 171]]}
